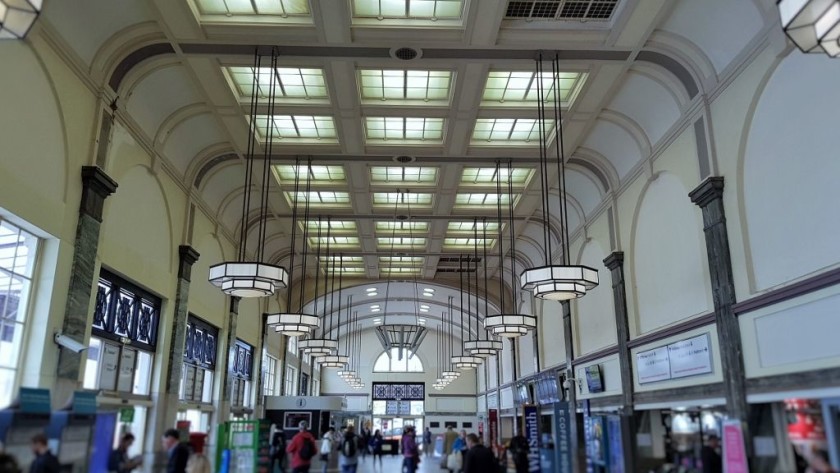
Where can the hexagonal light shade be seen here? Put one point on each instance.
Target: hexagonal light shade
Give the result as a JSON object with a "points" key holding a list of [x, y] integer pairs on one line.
{"points": [[313, 346], [451, 374], [466, 362], [510, 325], [812, 25], [244, 279], [559, 282], [293, 325], [483, 348], [332, 361], [17, 17]]}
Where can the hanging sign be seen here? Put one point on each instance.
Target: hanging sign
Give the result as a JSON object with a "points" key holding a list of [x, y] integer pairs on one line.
{"points": [[493, 425], [34, 400], [127, 415], [616, 447], [689, 357], [532, 433], [563, 437], [734, 453]]}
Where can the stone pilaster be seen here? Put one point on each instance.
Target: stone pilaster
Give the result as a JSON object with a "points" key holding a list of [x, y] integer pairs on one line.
{"points": [[709, 197], [96, 187], [227, 381], [570, 375], [187, 257], [259, 374], [615, 263]]}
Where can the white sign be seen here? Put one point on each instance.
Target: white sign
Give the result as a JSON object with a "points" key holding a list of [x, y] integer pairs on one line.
{"points": [[653, 365], [690, 357], [681, 359]]}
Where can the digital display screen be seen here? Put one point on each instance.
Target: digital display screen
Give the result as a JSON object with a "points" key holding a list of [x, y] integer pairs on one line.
{"points": [[593, 379]]}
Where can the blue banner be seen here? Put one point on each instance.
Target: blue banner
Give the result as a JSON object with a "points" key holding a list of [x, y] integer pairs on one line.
{"points": [[616, 449], [562, 437], [532, 433], [84, 402]]}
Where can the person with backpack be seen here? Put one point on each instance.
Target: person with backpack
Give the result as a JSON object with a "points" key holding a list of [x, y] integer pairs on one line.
{"points": [[326, 447], [302, 448], [348, 459]]}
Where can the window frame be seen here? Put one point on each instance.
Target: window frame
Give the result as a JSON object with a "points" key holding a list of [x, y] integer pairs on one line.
{"points": [[406, 360], [270, 364]]}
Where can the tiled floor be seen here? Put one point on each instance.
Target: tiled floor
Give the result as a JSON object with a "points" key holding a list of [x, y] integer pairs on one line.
{"points": [[390, 464]]}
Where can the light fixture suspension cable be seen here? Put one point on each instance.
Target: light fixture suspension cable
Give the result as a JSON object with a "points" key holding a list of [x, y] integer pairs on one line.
{"points": [[249, 159], [391, 266], [561, 161], [306, 230], [512, 240], [501, 240], [266, 174], [293, 245], [544, 177]]}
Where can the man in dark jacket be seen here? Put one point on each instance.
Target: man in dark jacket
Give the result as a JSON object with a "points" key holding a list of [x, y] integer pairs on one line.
{"points": [[479, 459], [519, 450], [118, 461], [45, 461], [177, 453]]}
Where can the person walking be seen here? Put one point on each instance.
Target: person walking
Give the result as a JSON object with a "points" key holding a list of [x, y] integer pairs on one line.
{"points": [[519, 450], [326, 448], [302, 448], [118, 461], [45, 461], [178, 454], [409, 449], [448, 441], [479, 459], [709, 456], [376, 447], [427, 442], [365, 442], [348, 458], [278, 450]]}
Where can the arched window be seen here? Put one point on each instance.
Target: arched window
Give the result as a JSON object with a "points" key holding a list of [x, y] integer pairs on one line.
{"points": [[392, 364]]}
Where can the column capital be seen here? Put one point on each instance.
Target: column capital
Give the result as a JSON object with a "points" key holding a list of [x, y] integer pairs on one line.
{"points": [[709, 190], [96, 186], [187, 256], [614, 260]]}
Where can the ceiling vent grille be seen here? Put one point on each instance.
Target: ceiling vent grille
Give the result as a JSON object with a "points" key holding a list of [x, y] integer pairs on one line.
{"points": [[450, 269], [404, 159], [455, 259], [406, 54], [594, 10]]}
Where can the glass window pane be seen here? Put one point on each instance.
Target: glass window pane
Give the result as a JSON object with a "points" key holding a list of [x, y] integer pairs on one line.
{"points": [[94, 352]]}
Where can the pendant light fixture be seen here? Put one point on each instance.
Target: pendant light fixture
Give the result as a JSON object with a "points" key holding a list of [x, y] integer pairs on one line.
{"points": [[339, 361], [465, 361], [244, 278], [403, 337], [812, 25], [348, 372], [323, 346], [440, 382], [552, 281], [17, 17], [507, 324], [487, 346], [296, 324], [450, 373]]}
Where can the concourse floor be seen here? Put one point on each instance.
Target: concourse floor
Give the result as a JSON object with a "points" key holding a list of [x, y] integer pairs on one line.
{"points": [[390, 464]]}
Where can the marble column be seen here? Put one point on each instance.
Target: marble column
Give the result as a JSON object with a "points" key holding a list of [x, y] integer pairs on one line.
{"points": [[259, 372], [615, 263], [227, 381], [709, 197], [96, 187], [187, 257]]}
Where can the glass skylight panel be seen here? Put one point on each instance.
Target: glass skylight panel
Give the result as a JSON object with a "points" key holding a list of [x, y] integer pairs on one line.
{"points": [[401, 260], [344, 259], [320, 197], [470, 227], [419, 199], [345, 269], [481, 199], [404, 129], [297, 127], [291, 82], [281, 8], [402, 227], [400, 270], [401, 85], [469, 242], [509, 86], [332, 225], [317, 174], [408, 9], [509, 130], [387, 242], [334, 241], [403, 174], [489, 176]]}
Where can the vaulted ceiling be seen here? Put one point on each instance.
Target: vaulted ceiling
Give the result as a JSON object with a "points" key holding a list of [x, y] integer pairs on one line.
{"points": [[392, 95]]}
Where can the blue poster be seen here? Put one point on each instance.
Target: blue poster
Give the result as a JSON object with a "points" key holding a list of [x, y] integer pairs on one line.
{"points": [[103, 440], [532, 433], [616, 450], [587, 436], [562, 437]]}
